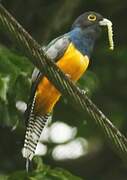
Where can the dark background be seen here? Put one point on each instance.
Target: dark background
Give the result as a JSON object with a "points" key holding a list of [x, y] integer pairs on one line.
{"points": [[106, 80]]}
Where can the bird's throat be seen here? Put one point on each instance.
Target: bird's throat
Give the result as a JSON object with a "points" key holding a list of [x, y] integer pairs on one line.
{"points": [[84, 39]]}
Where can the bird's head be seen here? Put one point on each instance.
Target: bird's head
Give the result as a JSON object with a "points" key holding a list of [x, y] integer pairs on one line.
{"points": [[92, 23]]}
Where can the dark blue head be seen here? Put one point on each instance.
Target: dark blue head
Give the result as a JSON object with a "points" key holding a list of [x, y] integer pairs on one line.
{"points": [[88, 19], [85, 31]]}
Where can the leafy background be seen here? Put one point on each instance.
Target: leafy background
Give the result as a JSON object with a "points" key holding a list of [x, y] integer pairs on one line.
{"points": [[105, 80]]}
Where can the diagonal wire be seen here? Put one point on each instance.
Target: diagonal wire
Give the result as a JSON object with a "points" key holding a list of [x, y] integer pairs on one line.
{"points": [[77, 97]]}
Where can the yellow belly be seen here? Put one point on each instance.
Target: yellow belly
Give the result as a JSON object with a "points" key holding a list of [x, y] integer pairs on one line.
{"points": [[72, 63]]}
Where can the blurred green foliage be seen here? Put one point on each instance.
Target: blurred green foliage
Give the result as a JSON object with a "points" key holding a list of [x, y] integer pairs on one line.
{"points": [[14, 75], [41, 172], [106, 82]]}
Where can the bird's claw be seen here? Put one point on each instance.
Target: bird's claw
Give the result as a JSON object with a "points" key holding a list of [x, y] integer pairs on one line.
{"points": [[84, 92]]}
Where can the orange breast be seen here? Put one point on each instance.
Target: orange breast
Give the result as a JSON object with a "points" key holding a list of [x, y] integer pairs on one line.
{"points": [[74, 64]]}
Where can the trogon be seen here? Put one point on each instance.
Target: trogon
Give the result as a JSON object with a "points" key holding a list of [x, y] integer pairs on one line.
{"points": [[71, 52]]}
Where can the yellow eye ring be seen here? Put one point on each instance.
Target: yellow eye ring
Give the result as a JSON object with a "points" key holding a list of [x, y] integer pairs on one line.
{"points": [[92, 17]]}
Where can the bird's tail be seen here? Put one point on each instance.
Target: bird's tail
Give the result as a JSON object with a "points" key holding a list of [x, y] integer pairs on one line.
{"points": [[33, 133]]}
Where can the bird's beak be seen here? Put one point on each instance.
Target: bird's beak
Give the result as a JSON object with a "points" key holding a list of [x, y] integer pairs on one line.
{"points": [[108, 23]]}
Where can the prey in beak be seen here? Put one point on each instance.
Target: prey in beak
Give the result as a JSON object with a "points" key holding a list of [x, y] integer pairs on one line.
{"points": [[108, 23]]}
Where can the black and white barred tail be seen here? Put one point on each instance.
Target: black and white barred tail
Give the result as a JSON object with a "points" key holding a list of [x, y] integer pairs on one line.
{"points": [[35, 125], [33, 133]]}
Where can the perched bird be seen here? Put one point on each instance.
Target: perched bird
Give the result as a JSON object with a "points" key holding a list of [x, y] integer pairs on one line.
{"points": [[71, 52]]}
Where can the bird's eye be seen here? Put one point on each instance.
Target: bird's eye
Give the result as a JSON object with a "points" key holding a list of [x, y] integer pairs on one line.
{"points": [[92, 17]]}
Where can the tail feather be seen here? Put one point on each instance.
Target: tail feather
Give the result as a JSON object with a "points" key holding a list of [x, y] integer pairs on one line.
{"points": [[33, 133], [35, 125]]}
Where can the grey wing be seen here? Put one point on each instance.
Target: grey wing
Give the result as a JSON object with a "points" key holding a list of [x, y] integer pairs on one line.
{"points": [[57, 47], [54, 51]]}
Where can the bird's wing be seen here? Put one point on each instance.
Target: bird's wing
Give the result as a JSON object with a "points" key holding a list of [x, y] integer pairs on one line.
{"points": [[35, 122]]}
